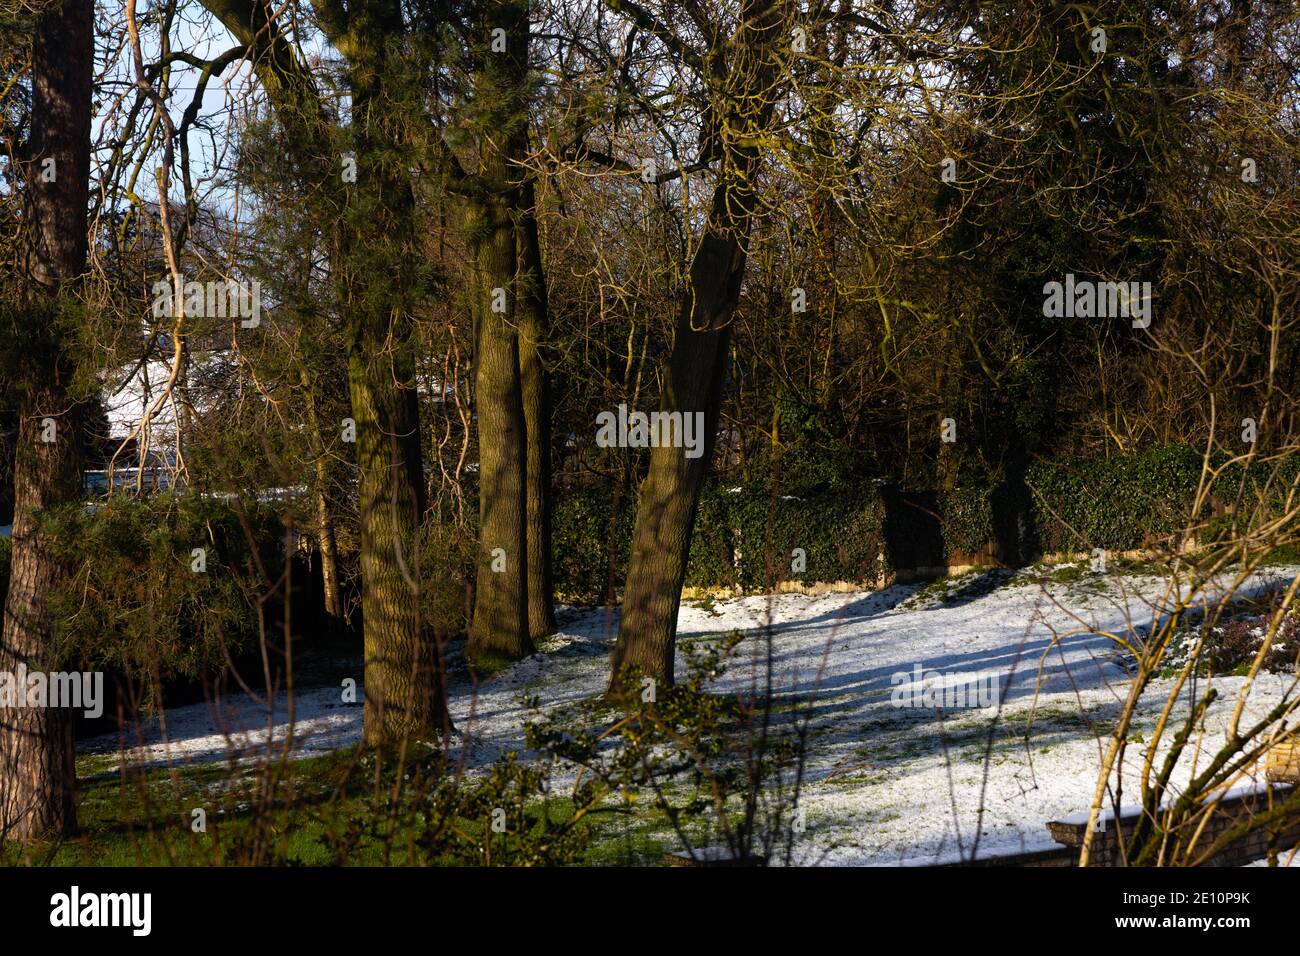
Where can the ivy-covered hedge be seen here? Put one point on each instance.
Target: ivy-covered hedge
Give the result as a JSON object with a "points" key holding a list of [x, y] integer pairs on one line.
{"points": [[1079, 503], [840, 536], [966, 515], [1117, 503], [1135, 501], [581, 537], [1264, 486]]}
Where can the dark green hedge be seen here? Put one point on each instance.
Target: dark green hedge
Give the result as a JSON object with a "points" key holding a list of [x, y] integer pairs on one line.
{"points": [[966, 518], [1114, 503], [1265, 485], [581, 539], [1118, 503], [841, 536], [1135, 501]]}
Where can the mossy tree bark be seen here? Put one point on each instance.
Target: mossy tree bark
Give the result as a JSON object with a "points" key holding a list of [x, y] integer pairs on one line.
{"points": [[404, 691], [37, 757], [670, 494], [501, 626], [372, 273], [534, 327], [404, 688]]}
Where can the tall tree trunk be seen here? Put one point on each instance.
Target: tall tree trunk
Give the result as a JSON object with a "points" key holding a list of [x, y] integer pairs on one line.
{"points": [[670, 494], [37, 757], [500, 629], [370, 270], [404, 690], [405, 693], [534, 327]]}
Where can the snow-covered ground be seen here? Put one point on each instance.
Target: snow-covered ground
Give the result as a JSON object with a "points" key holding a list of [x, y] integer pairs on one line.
{"points": [[885, 784]]}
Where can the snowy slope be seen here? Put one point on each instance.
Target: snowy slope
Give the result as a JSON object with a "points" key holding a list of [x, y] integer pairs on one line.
{"points": [[886, 785]]}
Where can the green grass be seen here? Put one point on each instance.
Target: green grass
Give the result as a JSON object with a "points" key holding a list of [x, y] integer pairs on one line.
{"points": [[323, 812], [485, 663], [708, 604], [854, 780]]}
